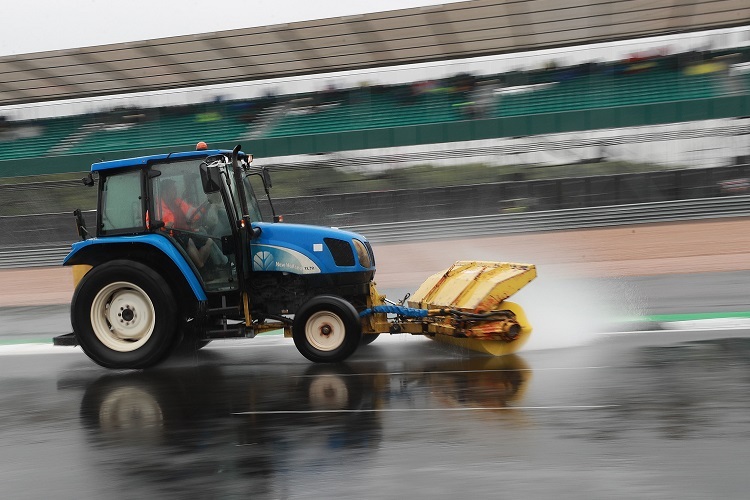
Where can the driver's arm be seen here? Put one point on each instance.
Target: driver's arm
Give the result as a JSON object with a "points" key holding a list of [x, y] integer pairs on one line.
{"points": [[193, 214]]}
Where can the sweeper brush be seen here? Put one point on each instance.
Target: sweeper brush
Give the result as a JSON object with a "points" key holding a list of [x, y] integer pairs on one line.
{"points": [[464, 305]]}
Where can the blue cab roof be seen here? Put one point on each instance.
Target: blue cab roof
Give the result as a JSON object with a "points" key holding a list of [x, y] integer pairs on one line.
{"points": [[145, 160]]}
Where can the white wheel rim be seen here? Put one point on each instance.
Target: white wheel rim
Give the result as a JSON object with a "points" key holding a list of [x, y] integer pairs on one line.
{"points": [[122, 316], [325, 331]]}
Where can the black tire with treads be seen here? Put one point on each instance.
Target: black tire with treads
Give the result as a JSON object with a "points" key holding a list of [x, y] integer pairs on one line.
{"points": [[327, 329], [124, 315]]}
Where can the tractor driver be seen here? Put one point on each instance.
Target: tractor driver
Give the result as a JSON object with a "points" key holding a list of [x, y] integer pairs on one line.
{"points": [[178, 214]]}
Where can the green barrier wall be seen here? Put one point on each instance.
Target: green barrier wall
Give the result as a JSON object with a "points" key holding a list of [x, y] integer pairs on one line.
{"points": [[528, 125]]}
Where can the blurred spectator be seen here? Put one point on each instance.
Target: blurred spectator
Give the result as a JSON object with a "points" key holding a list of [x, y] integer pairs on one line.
{"points": [[705, 68], [482, 100], [5, 129], [461, 83], [208, 116]]}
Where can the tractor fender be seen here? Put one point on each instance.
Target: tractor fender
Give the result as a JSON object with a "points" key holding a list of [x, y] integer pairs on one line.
{"points": [[90, 250]]}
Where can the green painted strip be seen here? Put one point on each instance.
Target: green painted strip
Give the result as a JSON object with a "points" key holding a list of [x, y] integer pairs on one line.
{"points": [[47, 341], [661, 318], [657, 318]]}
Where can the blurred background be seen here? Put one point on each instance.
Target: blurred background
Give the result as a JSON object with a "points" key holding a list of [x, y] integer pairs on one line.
{"points": [[458, 109]]}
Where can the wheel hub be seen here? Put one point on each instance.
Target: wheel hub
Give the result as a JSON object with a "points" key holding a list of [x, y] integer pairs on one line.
{"points": [[325, 331], [126, 315], [122, 316], [126, 311]]}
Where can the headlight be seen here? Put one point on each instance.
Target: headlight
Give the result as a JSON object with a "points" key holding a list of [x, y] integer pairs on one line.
{"points": [[362, 254]]}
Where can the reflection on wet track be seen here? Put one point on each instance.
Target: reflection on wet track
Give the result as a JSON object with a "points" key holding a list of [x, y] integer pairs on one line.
{"points": [[229, 422], [628, 416]]}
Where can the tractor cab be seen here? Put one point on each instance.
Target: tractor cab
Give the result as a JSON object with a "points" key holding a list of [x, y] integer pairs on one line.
{"points": [[193, 199]]}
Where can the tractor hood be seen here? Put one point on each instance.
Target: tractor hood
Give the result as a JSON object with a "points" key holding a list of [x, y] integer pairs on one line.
{"points": [[303, 249]]}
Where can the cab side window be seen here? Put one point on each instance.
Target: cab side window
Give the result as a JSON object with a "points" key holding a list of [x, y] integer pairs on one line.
{"points": [[122, 207]]}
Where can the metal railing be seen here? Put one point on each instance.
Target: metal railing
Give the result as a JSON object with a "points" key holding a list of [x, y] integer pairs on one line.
{"points": [[556, 220], [477, 226], [34, 257]]}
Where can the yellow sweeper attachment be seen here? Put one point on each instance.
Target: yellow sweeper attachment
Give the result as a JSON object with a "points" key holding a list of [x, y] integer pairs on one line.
{"points": [[466, 305]]}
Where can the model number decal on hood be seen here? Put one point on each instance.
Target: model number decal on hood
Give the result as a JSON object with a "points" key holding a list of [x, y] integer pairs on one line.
{"points": [[273, 258]]}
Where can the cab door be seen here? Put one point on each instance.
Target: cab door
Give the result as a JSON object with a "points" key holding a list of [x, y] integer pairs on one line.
{"points": [[197, 222]]}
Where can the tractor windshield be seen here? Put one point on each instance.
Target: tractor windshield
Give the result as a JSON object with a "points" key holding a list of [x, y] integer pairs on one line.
{"points": [[252, 200]]}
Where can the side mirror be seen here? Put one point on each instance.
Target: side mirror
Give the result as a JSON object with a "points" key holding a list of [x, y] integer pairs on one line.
{"points": [[210, 178], [267, 178]]}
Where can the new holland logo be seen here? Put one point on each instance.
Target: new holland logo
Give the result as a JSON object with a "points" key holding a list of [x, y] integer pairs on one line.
{"points": [[263, 261]]}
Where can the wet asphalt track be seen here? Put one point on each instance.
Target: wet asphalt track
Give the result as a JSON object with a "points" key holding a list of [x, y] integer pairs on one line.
{"points": [[659, 415]]}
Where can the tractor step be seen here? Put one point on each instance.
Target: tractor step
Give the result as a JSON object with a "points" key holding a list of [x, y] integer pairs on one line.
{"points": [[67, 339], [231, 332], [218, 311]]}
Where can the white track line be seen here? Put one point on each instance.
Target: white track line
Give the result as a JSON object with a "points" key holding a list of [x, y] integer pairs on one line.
{"points": [[406, 410], [35, 348], [708, 324]]}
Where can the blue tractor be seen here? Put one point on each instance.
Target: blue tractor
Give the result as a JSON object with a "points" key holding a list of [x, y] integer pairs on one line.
{"points": [[180, 257]]}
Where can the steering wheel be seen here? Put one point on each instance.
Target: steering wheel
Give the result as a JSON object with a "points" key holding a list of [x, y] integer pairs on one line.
{"points": [[200, 211]]}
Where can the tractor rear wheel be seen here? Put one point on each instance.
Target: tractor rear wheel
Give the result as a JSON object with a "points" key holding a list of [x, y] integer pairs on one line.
{"points": [[327, 329], [124, 315]]}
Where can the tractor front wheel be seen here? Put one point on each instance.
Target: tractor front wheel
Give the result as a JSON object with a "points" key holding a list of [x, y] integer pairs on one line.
{"points": [[327, 329]]}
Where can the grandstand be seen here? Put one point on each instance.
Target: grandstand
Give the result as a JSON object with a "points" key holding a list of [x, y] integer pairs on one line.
{"points": [[705, 82], [454, 111], [607, 95]]}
